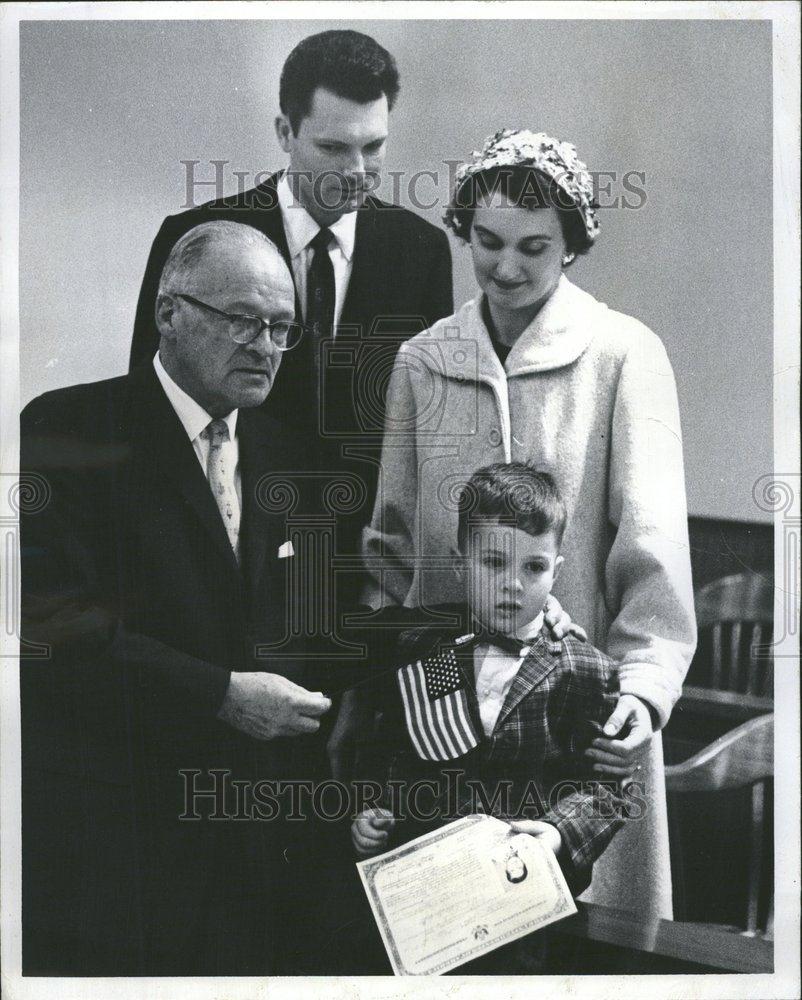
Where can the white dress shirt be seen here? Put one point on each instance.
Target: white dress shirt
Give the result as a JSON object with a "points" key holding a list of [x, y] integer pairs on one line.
{"points": [[195, 419], [494, 671], [300, 229]]}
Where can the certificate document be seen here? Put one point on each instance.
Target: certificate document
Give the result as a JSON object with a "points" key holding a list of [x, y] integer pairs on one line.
{"points": [[461, 891]]}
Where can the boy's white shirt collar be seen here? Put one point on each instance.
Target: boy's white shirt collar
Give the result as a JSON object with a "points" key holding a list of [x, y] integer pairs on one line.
{"points": [[300, 228], [192, 415], [532, 630], [528, 632]]}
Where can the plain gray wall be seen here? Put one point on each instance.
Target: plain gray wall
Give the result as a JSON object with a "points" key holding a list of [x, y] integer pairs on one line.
{"points": [[110, 109]]}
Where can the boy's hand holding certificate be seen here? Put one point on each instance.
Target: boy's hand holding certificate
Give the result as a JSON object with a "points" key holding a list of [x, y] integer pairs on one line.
{"points": [[460, 892]]}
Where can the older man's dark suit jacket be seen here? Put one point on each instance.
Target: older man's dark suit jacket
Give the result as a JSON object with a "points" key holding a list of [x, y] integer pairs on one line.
{"points": [[400, 284], [129, 576]]}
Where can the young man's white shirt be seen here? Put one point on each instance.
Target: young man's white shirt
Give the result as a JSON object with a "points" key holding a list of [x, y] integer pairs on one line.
{"points": [[300, 229]]}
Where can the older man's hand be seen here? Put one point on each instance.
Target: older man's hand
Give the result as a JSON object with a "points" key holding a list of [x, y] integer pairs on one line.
{"points": [[266, 706]]}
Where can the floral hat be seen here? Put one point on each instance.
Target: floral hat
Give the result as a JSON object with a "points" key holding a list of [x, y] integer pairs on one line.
{"points": [[523, 148]]}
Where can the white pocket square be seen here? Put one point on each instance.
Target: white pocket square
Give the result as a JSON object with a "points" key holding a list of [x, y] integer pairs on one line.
{"points": [[286, 550]]}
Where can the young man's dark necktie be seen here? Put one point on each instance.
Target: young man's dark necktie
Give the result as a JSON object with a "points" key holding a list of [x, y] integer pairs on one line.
{"points": [[320, 298]]}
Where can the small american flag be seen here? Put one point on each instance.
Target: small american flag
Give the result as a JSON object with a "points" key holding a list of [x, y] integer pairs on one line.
{"points": [[436, 708]]}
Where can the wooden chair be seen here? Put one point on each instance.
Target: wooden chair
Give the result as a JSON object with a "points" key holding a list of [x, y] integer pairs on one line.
{"points": [[742, 758], [735, 617]]}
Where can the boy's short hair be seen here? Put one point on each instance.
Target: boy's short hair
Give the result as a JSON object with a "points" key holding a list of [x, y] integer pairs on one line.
{"points": [[347, 63], [511, 493]]}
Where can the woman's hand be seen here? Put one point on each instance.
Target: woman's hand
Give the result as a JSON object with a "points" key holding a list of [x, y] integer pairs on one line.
{"points": [[559, 621], [545, 833], [621, 758], [370, 830]]}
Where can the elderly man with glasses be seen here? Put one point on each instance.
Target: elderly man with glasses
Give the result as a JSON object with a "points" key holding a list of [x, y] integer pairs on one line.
{"points": [[157, 685]]}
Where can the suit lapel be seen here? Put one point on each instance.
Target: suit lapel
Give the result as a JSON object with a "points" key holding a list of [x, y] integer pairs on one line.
{"points": [[263, 531], [271, 223], [539, 663], [162, 443], [264, 213], [364, 283]]}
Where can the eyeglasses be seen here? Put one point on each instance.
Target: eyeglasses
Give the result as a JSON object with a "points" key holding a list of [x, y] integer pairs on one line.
{"points": [[284, 334]]}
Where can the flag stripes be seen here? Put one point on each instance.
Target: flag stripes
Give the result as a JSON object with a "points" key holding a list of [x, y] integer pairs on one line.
{"points": [[436, 708]]}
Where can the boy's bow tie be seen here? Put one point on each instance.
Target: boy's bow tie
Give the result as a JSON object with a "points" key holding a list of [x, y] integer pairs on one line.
{"points": [[508, 644]]}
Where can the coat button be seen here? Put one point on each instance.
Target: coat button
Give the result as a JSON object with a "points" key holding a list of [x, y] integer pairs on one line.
{"points": [[494, 437]]}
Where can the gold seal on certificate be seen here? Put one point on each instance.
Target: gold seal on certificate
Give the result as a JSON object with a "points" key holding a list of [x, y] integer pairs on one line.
{"points": [[461, 891]]}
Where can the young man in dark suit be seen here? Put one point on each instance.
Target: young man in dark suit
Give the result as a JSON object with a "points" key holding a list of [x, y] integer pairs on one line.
{"points": [[368, 275], [154, 602]]}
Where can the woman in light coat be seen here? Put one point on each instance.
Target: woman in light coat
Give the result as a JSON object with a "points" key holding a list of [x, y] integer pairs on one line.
{"points": [[534, 369]]}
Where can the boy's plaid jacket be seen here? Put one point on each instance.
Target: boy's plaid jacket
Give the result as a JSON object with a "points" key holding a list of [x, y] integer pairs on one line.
{"points": [[557, 704]]}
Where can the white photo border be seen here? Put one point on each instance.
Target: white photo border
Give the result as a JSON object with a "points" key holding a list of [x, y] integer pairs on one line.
{"points": [[785, 17]]}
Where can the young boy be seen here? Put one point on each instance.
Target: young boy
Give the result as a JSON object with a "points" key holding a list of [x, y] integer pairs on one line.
{"points": [[490, 695]]}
